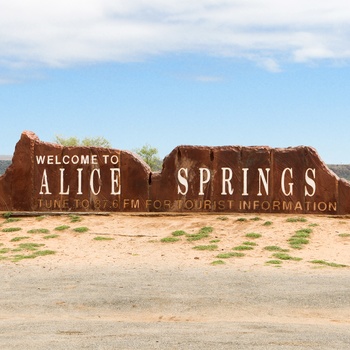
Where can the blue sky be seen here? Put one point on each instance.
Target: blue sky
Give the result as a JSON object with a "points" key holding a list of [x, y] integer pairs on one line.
{"points": [[211, 72]]}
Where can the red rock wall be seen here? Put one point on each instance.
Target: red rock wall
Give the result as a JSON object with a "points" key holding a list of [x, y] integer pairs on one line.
{"points": [[49, 177]]}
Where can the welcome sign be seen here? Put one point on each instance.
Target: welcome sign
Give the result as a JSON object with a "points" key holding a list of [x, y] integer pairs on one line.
{"points": [[49, 177]]}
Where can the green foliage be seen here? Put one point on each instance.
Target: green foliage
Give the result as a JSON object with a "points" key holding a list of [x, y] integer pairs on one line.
{"points": [[150, 156], [11, 229], [300, 219], [81, 229], [17, 239], [178, 233], [300, 238], [75, 218], [274, 262], [87, 141], [101, 238], [267, 223], [206, 247], [203, 233], [325, 263], [62, 228], [230, 255], [50, 236], [284, 256], [274, 248], [243, 247], [39, 230], [169, 239], [253, 235], [218, 262]]}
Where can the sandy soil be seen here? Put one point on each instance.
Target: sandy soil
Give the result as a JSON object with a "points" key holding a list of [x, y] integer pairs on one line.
{"points": [[134, 291]]}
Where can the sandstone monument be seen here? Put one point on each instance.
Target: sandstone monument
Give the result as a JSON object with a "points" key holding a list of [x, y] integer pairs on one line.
{"points": [[49, 177]]}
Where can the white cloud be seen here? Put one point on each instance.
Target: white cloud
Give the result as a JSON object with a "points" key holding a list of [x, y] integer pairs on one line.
{"points": [[56, 33]]}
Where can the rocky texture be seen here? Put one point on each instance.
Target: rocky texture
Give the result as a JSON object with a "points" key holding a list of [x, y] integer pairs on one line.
{"points": [[49, 177]]}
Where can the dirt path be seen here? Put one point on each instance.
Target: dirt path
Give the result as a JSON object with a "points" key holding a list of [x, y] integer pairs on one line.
{"points": [[135, 292]]}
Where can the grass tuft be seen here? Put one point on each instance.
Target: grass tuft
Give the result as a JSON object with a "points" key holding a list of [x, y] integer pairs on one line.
{"points": [[326, 263], [222, 218], [275, 248], [206, 247], [101, 238], [230, 255], [178, 233], [344, 235], [169, 240], [17, 239], [253, 244], [11, 229], [243, 247], [75, 218], [203, 233], [267, 223], [253, 235], [62, 228], [218, 262], [81, 229], [51, 236], [274, 262], [299, 219], [39, 230], [284, 256]]}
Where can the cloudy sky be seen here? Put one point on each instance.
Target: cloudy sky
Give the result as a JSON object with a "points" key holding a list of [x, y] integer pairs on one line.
{"points": [[165, 73]]}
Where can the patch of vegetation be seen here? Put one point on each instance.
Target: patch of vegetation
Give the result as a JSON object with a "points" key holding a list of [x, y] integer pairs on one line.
{"points": [[275, 248], [17, 239], [253, 235], [256, 218], [4, 250], [36, 254], [41, 217], [51, 236], [30, 246], [178, 233], [284, 256], [62, 228], [81, 229], [243, 247], [325, 263], [222, 218], [300, 238], [242, 219], [344, 235], [9, 220], [11, 229], [39, 230], [206, 247], [169, 239], [7, 214], [253, 244], [299, 219], [267, 223], [101, 238], [75, 218], [214, 241], [203, 233], [218, 262], [230, 255], [274, 262], [313, 225]]}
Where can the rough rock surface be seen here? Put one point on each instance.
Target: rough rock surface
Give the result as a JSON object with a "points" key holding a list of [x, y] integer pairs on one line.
{"points": [[50, 177]]}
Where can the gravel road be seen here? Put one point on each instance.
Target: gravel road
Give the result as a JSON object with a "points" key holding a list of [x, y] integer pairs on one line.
{"points": [[99, 307]]}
